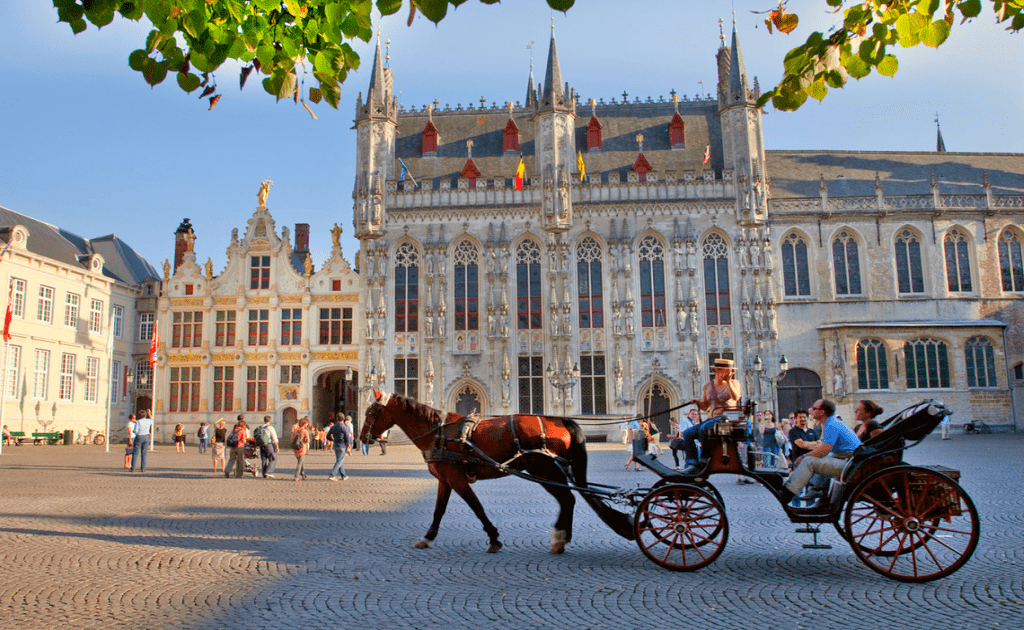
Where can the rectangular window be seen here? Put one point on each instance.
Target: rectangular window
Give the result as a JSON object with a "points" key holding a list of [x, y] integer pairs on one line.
{"points": [[18, 297], [146, 326], [407, 378], [593, 385], [67, 376], [256, 388], [223, 388], [711, 362], [259, 268], [291, 374], [259, 327], [13, 369], [119, 322], [41, 374], [115, 382], [71, 303], [335, 326], [184, 389], [44, 312], [92, 378], [96, 316], [531, 385], [291, 326], [224, 335], [187, 329]]}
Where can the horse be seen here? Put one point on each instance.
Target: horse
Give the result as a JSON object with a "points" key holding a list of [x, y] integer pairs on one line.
{"points": [[547, 449]]}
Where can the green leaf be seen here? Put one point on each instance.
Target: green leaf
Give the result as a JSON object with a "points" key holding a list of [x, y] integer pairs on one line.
{"points": [[188, 81], [888, 66], [835, 79], [856, 67], [789, 100], [909, 27], [100, 14], [969, 8], [154, 72], [561, 5], [935, 34], [137, 60], [386, 7], [817, 90], [78, 25], [434, 10]]}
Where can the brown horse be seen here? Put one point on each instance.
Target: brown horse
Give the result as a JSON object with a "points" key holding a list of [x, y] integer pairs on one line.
{"points": [[551, 449]]}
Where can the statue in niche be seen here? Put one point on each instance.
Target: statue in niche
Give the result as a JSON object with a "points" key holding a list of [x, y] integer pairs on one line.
{"points": [[428, 328], [772, 322], [504, 324], [382, 327], [440, 324], [680, 318], [746, 319], [370, 259], [430, 262], [617, 325], [563, 194], [629, 324], [566, 323], [693, 323], [369, 327], [838, 384], [490, 326]]}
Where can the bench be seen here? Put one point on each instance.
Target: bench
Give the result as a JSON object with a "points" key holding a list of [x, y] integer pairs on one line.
{"points": [[49, 438], [18, 436]]}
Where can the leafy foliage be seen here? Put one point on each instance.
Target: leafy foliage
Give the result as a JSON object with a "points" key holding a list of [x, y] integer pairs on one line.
{"points": [[866, 39]]}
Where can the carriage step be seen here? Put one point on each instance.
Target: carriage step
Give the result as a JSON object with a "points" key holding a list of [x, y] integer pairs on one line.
{"points": [[814, 531]]}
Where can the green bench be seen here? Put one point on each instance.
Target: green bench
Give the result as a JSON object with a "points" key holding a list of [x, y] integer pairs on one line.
{"points": [[18, 437], [49, 438]]}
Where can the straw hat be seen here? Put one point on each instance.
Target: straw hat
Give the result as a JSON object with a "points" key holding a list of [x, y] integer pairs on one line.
{"points": [[728, 364]]}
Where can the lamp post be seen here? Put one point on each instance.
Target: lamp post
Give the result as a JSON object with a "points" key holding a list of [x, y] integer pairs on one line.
{"points": [[563, 381], [773, 381]]}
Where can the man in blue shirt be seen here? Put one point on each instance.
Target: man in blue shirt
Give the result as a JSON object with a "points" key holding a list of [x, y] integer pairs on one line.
{"points": [[838, 442], [338, 434], [140, 444]]}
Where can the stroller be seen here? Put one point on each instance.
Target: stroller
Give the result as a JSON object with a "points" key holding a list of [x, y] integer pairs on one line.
{"points": [[252, 457]]}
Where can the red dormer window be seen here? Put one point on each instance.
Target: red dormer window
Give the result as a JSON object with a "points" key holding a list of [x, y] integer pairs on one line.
{"points": [[641, 167], [430, 139], [593, 134], [470, 172], [677, 132], [511, 137]]}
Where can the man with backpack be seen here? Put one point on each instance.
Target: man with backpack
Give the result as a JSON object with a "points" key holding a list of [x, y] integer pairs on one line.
{"points": [[235, 444], [339, 435], [266, 440]]}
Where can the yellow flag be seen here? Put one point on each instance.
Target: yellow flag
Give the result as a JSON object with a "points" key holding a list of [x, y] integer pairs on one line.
{"points": [[582, 167]]}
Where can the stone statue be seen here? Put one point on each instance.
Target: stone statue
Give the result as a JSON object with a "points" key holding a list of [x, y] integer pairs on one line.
{"points": [[490, 325], [428, 329], [566, 323], [209, 269], [382, 325], [838, 384], [190, 241], [617, 325], [369, 327], [680, 318], [336, 235], [629, 324], [167, 271], [440, 324], [504, 324], [264, 191], [308, 265], [234, 236]]}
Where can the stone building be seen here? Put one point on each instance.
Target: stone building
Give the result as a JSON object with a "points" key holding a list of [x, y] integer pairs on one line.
{"points": [[79, 313], [649, 237], [268, 335]]}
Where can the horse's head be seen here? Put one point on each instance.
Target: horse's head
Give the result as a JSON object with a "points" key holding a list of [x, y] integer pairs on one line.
{"points": [[377, 420]]}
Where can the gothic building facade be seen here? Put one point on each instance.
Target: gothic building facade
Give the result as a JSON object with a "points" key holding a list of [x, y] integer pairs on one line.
{"points": [[649, 237]]}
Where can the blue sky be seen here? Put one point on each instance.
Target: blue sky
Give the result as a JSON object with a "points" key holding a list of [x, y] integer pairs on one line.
{"points": [[88, 146]]}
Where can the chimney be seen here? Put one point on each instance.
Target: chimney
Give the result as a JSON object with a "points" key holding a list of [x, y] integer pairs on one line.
{"points": [[301, 238], [181, 243]]}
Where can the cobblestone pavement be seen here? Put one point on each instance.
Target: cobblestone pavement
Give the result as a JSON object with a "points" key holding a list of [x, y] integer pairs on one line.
{"points": [[85, 544]]}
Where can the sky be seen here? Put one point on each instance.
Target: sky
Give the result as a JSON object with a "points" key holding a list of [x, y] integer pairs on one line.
{"points": [[86, 145]]}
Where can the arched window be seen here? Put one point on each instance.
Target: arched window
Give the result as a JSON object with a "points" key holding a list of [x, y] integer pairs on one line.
{"points": [[511, 137], [467, 311], [468, 402], [958, 262], [652, 283], [716, 281], [796, 277], [846, 262], [1011, 266], [872, 365], [677, 132], [406, 289], [909, 273], [593, 134], [429, 142], [588, 282], [981, 363], [927, 364], [528, 286]]}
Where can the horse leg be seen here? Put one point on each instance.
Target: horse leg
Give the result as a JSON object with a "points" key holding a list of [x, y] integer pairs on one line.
{"points": [[561, 533], [444, 492], [467, 494]]}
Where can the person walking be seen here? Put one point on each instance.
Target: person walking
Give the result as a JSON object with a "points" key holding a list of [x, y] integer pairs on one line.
{"points": [[203, 437], [300, 446], [129, 449], [769, 442], [340, 437], [179, 438], [140, 443], [267, 443], [236, 443], [220, 435]]}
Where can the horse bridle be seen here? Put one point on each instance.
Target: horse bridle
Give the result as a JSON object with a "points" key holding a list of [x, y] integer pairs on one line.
{"points": [[383, 405]]}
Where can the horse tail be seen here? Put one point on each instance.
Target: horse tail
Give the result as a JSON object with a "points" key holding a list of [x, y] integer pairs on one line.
{"points": [[621, 523]]}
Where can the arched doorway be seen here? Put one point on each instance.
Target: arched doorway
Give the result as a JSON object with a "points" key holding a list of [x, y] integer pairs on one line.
{"points": [[333, 393], [468, 402], [657, 404], [289, 416], [142, 403], [799, 389]]}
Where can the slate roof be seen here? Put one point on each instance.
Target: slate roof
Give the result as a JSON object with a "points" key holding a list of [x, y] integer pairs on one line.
{"points": [[797, 174], [121, 262]]}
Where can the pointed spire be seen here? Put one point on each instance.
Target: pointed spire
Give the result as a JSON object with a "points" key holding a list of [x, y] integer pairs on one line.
{"points": [[552, 94], [739, 86], [379, 102], [940, 145]]}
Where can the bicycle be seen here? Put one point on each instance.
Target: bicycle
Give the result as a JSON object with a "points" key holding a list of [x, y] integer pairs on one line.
{"points": [[92, 437]]}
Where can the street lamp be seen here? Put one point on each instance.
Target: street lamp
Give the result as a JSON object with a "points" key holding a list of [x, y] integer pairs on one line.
{"points": [[773, 381], [564, 381]]}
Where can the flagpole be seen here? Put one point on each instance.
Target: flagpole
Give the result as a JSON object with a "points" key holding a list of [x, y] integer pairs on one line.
{"points": [[110, 374], [153, 349]]}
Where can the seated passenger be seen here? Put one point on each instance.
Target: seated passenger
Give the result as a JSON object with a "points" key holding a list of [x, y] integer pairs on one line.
{"points": [[838, 442], [720, 394]]}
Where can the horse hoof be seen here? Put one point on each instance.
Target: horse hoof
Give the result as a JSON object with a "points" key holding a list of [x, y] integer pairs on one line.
{"points": [[557, 549], [493, 547], [422, 544]]}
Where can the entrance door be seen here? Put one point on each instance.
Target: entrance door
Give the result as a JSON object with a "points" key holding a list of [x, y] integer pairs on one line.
{"points": [[288, 418], [656, 404], [468, 402], [799, 389]]}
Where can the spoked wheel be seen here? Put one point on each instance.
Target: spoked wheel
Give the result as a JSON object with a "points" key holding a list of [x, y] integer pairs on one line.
{"points": [[912, 524], [99, 440], [681, 527]]}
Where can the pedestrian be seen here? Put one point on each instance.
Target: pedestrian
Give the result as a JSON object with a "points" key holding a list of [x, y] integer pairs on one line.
{"points": [[236, 444], [340, 437], [203, 436], [634, 428], [143, 436], [769, 443], [131, 439], [363, 445], [383, 441], [266, 441], [351, 429], [179, 438], [300, 446], [676, 441], [220, 435], [945, 426]]}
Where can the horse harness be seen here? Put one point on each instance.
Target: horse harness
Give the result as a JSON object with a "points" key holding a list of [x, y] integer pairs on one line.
{"points": [[471, 454]]}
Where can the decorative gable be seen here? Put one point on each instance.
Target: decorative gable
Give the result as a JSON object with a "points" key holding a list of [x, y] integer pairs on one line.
{"points": [[641, 167], [511, 142], [594, 134], [430, 139], [677, 132], [470, 172]]}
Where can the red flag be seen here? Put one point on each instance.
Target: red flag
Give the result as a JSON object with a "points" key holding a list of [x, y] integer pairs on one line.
{"points": [[520, 171], [153, 346], [707, 154], [10, 312]]}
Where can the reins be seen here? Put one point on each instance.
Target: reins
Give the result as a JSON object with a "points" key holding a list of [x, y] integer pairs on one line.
{"points": [[591, 423]]}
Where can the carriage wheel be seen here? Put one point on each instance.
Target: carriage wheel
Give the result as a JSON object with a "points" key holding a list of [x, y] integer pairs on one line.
{"points": [[681, 527], [912, 524]]}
